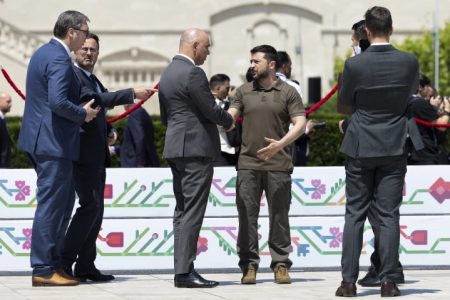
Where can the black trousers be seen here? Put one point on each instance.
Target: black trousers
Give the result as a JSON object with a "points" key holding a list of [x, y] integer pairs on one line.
{"points": [[373, 181], [375, 263], [192, 179], [81, 236]]}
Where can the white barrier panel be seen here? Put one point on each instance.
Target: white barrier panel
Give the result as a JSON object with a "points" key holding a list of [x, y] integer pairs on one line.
{"points": [[145, 241], [148, 192], [316, 242]]}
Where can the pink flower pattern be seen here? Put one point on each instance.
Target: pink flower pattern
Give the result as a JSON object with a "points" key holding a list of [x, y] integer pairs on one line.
{"points": [[27, 233], [337, 237], [319, 188], [24, 190]]}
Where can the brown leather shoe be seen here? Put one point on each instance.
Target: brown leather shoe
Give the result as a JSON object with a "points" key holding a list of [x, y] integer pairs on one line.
{"points": [[389, 289], [249, 276], [346, 290], [52, 280], [66, 275], [281, 275]]}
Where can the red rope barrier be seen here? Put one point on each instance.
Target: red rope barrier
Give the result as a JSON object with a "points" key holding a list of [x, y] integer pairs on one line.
{"points": [[429, 124], [12, 84], [136, 106], [141, 102], [323, 100]]}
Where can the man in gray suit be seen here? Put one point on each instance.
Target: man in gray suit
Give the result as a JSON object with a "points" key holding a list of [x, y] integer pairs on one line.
{"points": [[377, 85], [191, 115]]}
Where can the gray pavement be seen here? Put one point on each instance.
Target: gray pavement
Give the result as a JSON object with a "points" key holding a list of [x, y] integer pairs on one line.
{"points": [[420, 284]]}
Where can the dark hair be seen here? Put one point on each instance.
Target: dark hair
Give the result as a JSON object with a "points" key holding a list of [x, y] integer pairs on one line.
{"points": [[359, 29], [68, 19], [378, 21], [282, 59], [424, 80], [218, 79], [270, 53], [249, 75], [93, 36]]}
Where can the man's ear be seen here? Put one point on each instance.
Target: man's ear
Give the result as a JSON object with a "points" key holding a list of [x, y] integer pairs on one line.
{"points": [[272, 64]]}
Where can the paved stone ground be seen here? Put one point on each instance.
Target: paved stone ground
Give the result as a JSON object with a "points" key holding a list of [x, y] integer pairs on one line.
{"points": [[420, 284]]}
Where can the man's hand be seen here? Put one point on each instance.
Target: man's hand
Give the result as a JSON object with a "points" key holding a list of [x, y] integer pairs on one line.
{"points": [[231, 127], [91, 112], [267, 152], [143, 92]]}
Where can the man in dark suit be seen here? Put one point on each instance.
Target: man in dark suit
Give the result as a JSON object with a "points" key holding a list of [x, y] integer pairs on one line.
{"points": [[190, 113], [89, 170], [5, 140], [377, 85], [138, 148], [50, 135]]}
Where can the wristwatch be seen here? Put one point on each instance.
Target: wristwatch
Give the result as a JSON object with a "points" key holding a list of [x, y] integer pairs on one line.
{"points": [[446, 113]]}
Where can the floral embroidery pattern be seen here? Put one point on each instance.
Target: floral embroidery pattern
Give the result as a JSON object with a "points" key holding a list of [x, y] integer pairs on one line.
{"points": [[27, 233], [337, 237], [319, 188], [24, 190]]}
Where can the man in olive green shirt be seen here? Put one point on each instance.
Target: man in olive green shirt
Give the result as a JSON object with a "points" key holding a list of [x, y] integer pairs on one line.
{"points": [[268, 106]]}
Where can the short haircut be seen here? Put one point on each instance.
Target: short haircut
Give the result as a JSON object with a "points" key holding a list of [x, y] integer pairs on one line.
{"points": [[360, 30], [282, 59], [424, 80], [68, 19], [218, 79], [270, 53], [378, 21], [93, 36]]}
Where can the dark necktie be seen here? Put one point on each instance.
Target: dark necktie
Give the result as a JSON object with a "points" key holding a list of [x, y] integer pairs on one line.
{"points": [[96, 83]]}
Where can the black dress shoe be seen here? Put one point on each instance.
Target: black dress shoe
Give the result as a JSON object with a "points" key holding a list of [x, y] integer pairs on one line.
{"points": [[371, 279], [93, 275], [346, 289], [193, 280], [389, 289]]}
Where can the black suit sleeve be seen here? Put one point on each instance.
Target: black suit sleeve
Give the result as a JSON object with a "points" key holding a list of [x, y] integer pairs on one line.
{"points": [[346, 90], [107, 99]]}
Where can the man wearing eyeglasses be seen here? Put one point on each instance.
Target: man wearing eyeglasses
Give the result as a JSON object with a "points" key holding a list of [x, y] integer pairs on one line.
{"points": [[89, 170], [50, 135]]}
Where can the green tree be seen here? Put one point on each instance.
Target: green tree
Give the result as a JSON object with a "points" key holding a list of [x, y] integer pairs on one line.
{"points": [[423, 48]]}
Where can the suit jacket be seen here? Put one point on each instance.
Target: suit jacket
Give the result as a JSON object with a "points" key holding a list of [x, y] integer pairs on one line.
{"points": [[138, 146], [93, 135], [52, 117], [5, 146], [189, 111], [377, 84]]}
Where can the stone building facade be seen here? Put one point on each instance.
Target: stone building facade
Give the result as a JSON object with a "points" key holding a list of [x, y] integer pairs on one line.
{"points": [[139, 37]]}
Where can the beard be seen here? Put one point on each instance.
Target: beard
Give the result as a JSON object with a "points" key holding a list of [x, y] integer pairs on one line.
{"points": [[261, 74]]}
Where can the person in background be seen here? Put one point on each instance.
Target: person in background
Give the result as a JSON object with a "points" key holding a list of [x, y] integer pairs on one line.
{"points": [[229, 140], [5, 140]]}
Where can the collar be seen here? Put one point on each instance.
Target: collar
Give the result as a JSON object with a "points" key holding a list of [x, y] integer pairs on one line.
{"points": [[380, 44], [88, 74], [64, 45], [2, 116], [281, 76], [276, 85], [185, 56]]}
